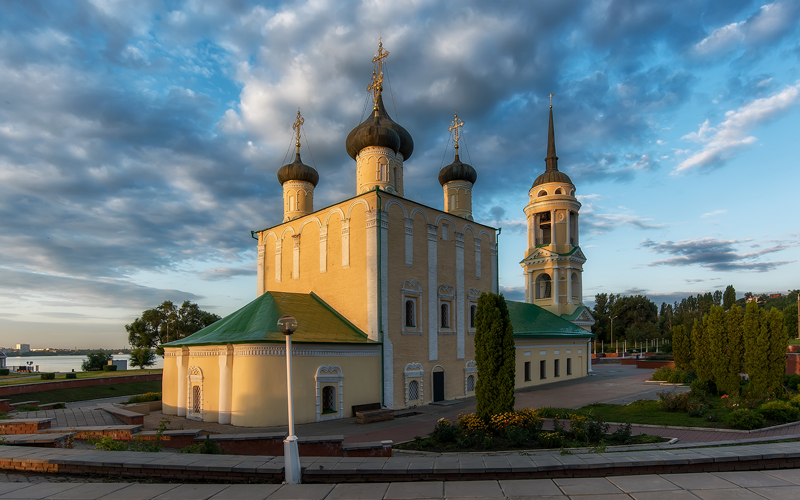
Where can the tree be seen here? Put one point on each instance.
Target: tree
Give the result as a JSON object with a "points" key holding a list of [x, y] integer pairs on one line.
{"points": [[682, 347], [143, 357], [495, 355], [729, 297], [166, 323], [735, 351], [700, 352], [715, 332], [790, 321], [95, 361], [776, 351], [755, 352]]}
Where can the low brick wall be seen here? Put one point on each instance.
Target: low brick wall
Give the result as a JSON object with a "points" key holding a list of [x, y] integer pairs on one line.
{"points": [[643, 363], [248, 444], [24, 426], [13, 390], [120, 433], [792, 363]]}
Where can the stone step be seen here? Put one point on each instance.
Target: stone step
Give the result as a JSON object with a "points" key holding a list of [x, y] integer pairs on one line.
{"points": [[41, 440], [127, 416]]}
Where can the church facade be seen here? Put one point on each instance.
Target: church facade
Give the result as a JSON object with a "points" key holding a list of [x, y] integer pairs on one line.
{"points": [[385, 292]]}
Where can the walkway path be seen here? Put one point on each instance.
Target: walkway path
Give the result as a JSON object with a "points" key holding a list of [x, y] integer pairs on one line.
{"points": [[75, 417]]}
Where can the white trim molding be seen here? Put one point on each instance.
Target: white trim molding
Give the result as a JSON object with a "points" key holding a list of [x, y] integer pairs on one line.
{"points": [[195, 379], [414, 371], [327, 375]]}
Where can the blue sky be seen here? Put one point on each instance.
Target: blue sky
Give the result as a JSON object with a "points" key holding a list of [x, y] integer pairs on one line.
{"points": [[139, 141]]}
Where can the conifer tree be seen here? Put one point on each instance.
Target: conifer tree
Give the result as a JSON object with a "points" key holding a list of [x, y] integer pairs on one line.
{"points": [[729, 297], [682, 348], [776, 352], [714, 327], [495, 355], [700, 352], [731, 383], [756, 335]]}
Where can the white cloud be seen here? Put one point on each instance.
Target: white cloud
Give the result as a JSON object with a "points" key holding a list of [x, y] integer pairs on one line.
{"points": [[715, 212], [723, 140]]}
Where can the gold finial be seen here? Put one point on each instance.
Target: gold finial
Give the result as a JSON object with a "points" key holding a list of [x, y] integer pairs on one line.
{"points": [[376, 86], [457, 124], [296, 127], [551, 99]]}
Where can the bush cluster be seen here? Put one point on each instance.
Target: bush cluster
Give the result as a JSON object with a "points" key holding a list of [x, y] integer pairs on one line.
{"points": [[745, 419], [4, 371], [780, 411], [47, 376], [143, 398], [72, 375], [109, 368]]}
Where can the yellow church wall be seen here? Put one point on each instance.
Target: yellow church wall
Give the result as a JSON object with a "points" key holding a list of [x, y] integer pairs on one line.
{"points": [[209, 363], [343, 287], [169, 385], [259, 386], [549, 350]]}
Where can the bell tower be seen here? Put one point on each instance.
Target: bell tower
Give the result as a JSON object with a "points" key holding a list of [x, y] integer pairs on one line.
{"points": [[553, 263]]}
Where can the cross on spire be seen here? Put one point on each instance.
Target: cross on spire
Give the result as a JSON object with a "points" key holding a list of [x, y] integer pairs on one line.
{"points": [[296, 127], [457, 124], [376, 85], [551, 99]]}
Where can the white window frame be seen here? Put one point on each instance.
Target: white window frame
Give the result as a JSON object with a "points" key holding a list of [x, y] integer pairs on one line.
{"points": [[414, 371], [329, 375], [411, 291], [471, 368], [195, 379], [447, 295]]}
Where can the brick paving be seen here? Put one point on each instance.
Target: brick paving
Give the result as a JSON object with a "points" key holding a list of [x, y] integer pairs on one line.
{"points": [[75, 417]]}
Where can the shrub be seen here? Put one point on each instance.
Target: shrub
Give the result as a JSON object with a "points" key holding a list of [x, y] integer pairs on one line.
{"points": [[795, 401], [24, 408], [445, 431], [662, 374], [791, 381], [47, 376], [550, 440], [780, 411], [595, 430], [72, 375], [207, 447], [745, 419], [677, 377], [623, 434], [95, 361], [4, 371], [143, 398], [109, 368], [673, 401], [704, 387], [107, 444]]}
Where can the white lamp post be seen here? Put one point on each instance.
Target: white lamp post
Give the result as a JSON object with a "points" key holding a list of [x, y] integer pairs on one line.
{"points": [[287, 325]]}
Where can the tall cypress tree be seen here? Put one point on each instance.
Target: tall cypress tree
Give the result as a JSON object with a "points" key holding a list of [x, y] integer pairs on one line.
{"points": [[755, 352], [776, 352], [682, 348], [729, 297], [495, 355], [700, 351], [714, 326], [734, 352]]}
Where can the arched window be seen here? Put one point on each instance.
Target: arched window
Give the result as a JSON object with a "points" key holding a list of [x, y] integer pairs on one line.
{"points": [[572, 193], [194, 406], [542, 193], [197, 399], [329, 399], [559, 191], [445, 316], [410, 315], [543, 286], [413, 390], [470, 383], [576, 287]]}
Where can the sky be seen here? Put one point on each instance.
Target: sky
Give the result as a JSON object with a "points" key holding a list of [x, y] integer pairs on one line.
{"points": [[139, 141]]}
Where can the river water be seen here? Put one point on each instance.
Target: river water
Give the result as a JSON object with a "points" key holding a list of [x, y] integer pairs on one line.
{"points": [[65, 363]]}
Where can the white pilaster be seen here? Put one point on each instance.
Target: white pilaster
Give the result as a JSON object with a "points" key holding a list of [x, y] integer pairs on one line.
{"points": [[346, 244], [278, 250], [477, 258], [409, 242], [569, 285], [372, 275], [182, 360], [225, 384], [589, 355], [556, 279], [493, 251], [323, 249], [460, 296], [569, 228], [388, 357], [262, 251], [433, 295], [296, 256]]}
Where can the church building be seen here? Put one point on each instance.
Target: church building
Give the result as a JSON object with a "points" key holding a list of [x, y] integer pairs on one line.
{"points": [[385, 292]]}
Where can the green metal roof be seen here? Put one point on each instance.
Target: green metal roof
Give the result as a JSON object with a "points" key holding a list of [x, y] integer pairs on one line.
{"points": [[317, 322], [530, 320], [577, 312]]}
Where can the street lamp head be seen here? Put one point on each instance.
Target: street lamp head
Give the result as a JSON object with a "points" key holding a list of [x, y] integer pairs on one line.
{"points": [[287, 325]]}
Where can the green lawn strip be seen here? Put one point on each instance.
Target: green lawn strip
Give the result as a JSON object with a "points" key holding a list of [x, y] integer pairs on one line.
{"points": [[86, 393], [35, 379], [648, 412]]}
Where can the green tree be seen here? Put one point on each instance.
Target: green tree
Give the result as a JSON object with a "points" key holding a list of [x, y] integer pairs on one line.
{"points": [[731, 381], [729, 297], [95, 361], [682, 348], [715, 333], [166, 323], [495, 355], [700, 351], [143, 357], [776, 350], [755, 348], [790, 321]]}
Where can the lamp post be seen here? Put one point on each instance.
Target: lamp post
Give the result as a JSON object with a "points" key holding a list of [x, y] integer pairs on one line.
{"points": [[612, 332], [287, 325]]}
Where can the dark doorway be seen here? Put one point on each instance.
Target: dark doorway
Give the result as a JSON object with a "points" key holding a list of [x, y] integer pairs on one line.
{"points": [[438, 386]]}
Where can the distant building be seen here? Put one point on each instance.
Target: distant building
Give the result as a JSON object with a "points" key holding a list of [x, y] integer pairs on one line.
{"points": [[775, 295], [24, 348], [752, 299]]}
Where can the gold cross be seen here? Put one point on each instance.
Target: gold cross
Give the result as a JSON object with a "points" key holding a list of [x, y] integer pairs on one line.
{"points": [[296, 127], [457, 124], [376, 85], [551, 99]]}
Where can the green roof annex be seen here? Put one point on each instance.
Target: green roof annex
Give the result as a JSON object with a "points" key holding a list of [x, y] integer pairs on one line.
{"points": [[530, 320]]}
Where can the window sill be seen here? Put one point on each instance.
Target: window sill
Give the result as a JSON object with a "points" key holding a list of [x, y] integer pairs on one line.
{"points": [[412, 332], [329, 412]]}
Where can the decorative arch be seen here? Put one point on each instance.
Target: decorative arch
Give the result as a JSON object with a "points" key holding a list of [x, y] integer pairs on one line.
{"points": [[357, 202], [469, 228], [414, 371], [289, 229], [487, 233], [541, 193], [450, 219], [396, 202], [576, 286], [309, 221], [543, 286], [336, 210], [418, 210], [194, 404], [470, 371], [271, 233], [559, 191], [329, 381]]}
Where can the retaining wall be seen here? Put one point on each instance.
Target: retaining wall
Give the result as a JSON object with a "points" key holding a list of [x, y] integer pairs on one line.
{"points": [[12, 390]]}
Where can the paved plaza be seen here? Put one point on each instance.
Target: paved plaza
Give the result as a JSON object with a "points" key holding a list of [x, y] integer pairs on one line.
{"points": [[746, 485]]}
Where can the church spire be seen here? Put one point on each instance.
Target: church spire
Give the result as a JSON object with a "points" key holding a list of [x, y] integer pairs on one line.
{"points": [[552, 160]]}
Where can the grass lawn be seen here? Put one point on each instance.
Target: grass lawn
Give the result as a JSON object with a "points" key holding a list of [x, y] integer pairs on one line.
{"points": [[15, 379], [647, 412], [85, 393]]}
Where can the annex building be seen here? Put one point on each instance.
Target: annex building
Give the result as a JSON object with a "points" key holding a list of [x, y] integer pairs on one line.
{"points": [[385, 291]]}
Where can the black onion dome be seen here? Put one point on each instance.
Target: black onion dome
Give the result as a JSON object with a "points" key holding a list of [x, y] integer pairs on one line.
{"points": [[552, 176], [380, 130], [457, 171], [298, 171]]}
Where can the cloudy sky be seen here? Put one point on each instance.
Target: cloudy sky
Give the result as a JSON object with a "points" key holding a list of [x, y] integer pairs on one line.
{"points": [[139, 141]]}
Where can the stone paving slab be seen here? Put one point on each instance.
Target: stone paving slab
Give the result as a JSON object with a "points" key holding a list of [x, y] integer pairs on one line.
{"points": [[72, 417]]}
